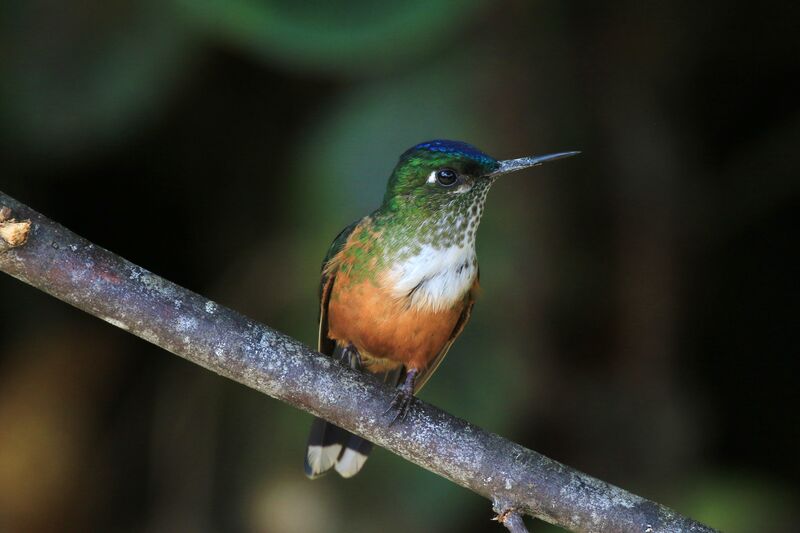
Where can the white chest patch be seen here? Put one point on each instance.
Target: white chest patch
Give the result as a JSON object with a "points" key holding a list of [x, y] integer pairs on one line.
{"points": [[434, 279]]}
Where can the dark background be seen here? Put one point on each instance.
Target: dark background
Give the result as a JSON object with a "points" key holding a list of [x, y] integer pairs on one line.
{"points": [[639, 316]]}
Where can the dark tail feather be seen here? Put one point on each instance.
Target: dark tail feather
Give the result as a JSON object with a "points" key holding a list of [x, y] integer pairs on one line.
{"points": [[354, 456], [330, 446]]}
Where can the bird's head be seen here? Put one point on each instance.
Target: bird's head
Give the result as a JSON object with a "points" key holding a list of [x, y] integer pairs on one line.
{"points": [[444, 177]]}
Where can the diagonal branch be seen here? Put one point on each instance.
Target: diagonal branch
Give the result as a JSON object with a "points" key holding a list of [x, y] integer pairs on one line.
{"points": [[105, 285]]}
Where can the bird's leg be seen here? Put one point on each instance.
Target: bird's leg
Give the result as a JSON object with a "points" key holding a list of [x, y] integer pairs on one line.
{"points": [[350, 357], [401, 403]]}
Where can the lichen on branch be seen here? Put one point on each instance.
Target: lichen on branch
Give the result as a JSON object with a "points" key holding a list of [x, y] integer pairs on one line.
{"points": [[13, 233]]}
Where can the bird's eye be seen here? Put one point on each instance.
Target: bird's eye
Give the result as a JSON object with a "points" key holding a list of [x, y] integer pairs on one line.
{"points": [[446, 177]]}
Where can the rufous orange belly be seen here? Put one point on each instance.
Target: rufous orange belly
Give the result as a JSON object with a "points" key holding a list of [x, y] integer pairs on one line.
{"points": [[387, 331]]}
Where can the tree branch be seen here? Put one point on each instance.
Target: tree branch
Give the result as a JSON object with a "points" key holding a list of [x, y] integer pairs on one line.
{"points": [[103, 284]]}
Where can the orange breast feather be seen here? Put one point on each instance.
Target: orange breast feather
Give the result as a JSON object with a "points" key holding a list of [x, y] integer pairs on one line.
{"points": [[384, 329]]}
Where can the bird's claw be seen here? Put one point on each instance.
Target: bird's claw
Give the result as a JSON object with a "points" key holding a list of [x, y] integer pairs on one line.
{"points": [[351, 357], [401, 405]]}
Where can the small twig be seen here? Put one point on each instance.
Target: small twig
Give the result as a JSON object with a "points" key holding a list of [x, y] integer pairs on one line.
{"points": [[105, 285], [514, 523], [509, 517]]}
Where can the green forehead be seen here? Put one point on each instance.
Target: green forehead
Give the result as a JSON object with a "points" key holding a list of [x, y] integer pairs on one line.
{"points": [[443, 153], [410, 176]]}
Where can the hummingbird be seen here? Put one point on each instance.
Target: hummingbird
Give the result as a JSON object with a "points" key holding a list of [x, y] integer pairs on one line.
{"points": [[398, 285]]}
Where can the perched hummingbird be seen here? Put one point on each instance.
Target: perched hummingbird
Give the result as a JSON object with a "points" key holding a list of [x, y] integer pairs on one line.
{"points": [[398, 285]]}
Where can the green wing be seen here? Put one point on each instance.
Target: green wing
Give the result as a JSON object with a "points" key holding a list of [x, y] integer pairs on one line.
{"points": [[324, 343]]}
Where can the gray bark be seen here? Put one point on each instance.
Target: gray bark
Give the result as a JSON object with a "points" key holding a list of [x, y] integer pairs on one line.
{"points": [[107, 286]]}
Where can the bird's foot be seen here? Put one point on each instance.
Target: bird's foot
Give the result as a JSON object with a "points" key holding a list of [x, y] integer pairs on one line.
{"points": [[401, 404], [350, 357]]}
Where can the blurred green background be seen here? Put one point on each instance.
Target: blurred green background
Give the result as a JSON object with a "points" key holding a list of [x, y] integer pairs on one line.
{"points": [[639, 318]]}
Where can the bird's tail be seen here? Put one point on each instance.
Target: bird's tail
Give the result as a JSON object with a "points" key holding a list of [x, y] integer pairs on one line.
{"points": [[330, 446]]}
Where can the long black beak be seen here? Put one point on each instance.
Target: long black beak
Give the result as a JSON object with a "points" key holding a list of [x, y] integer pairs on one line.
{"points": [[512, 165]]}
